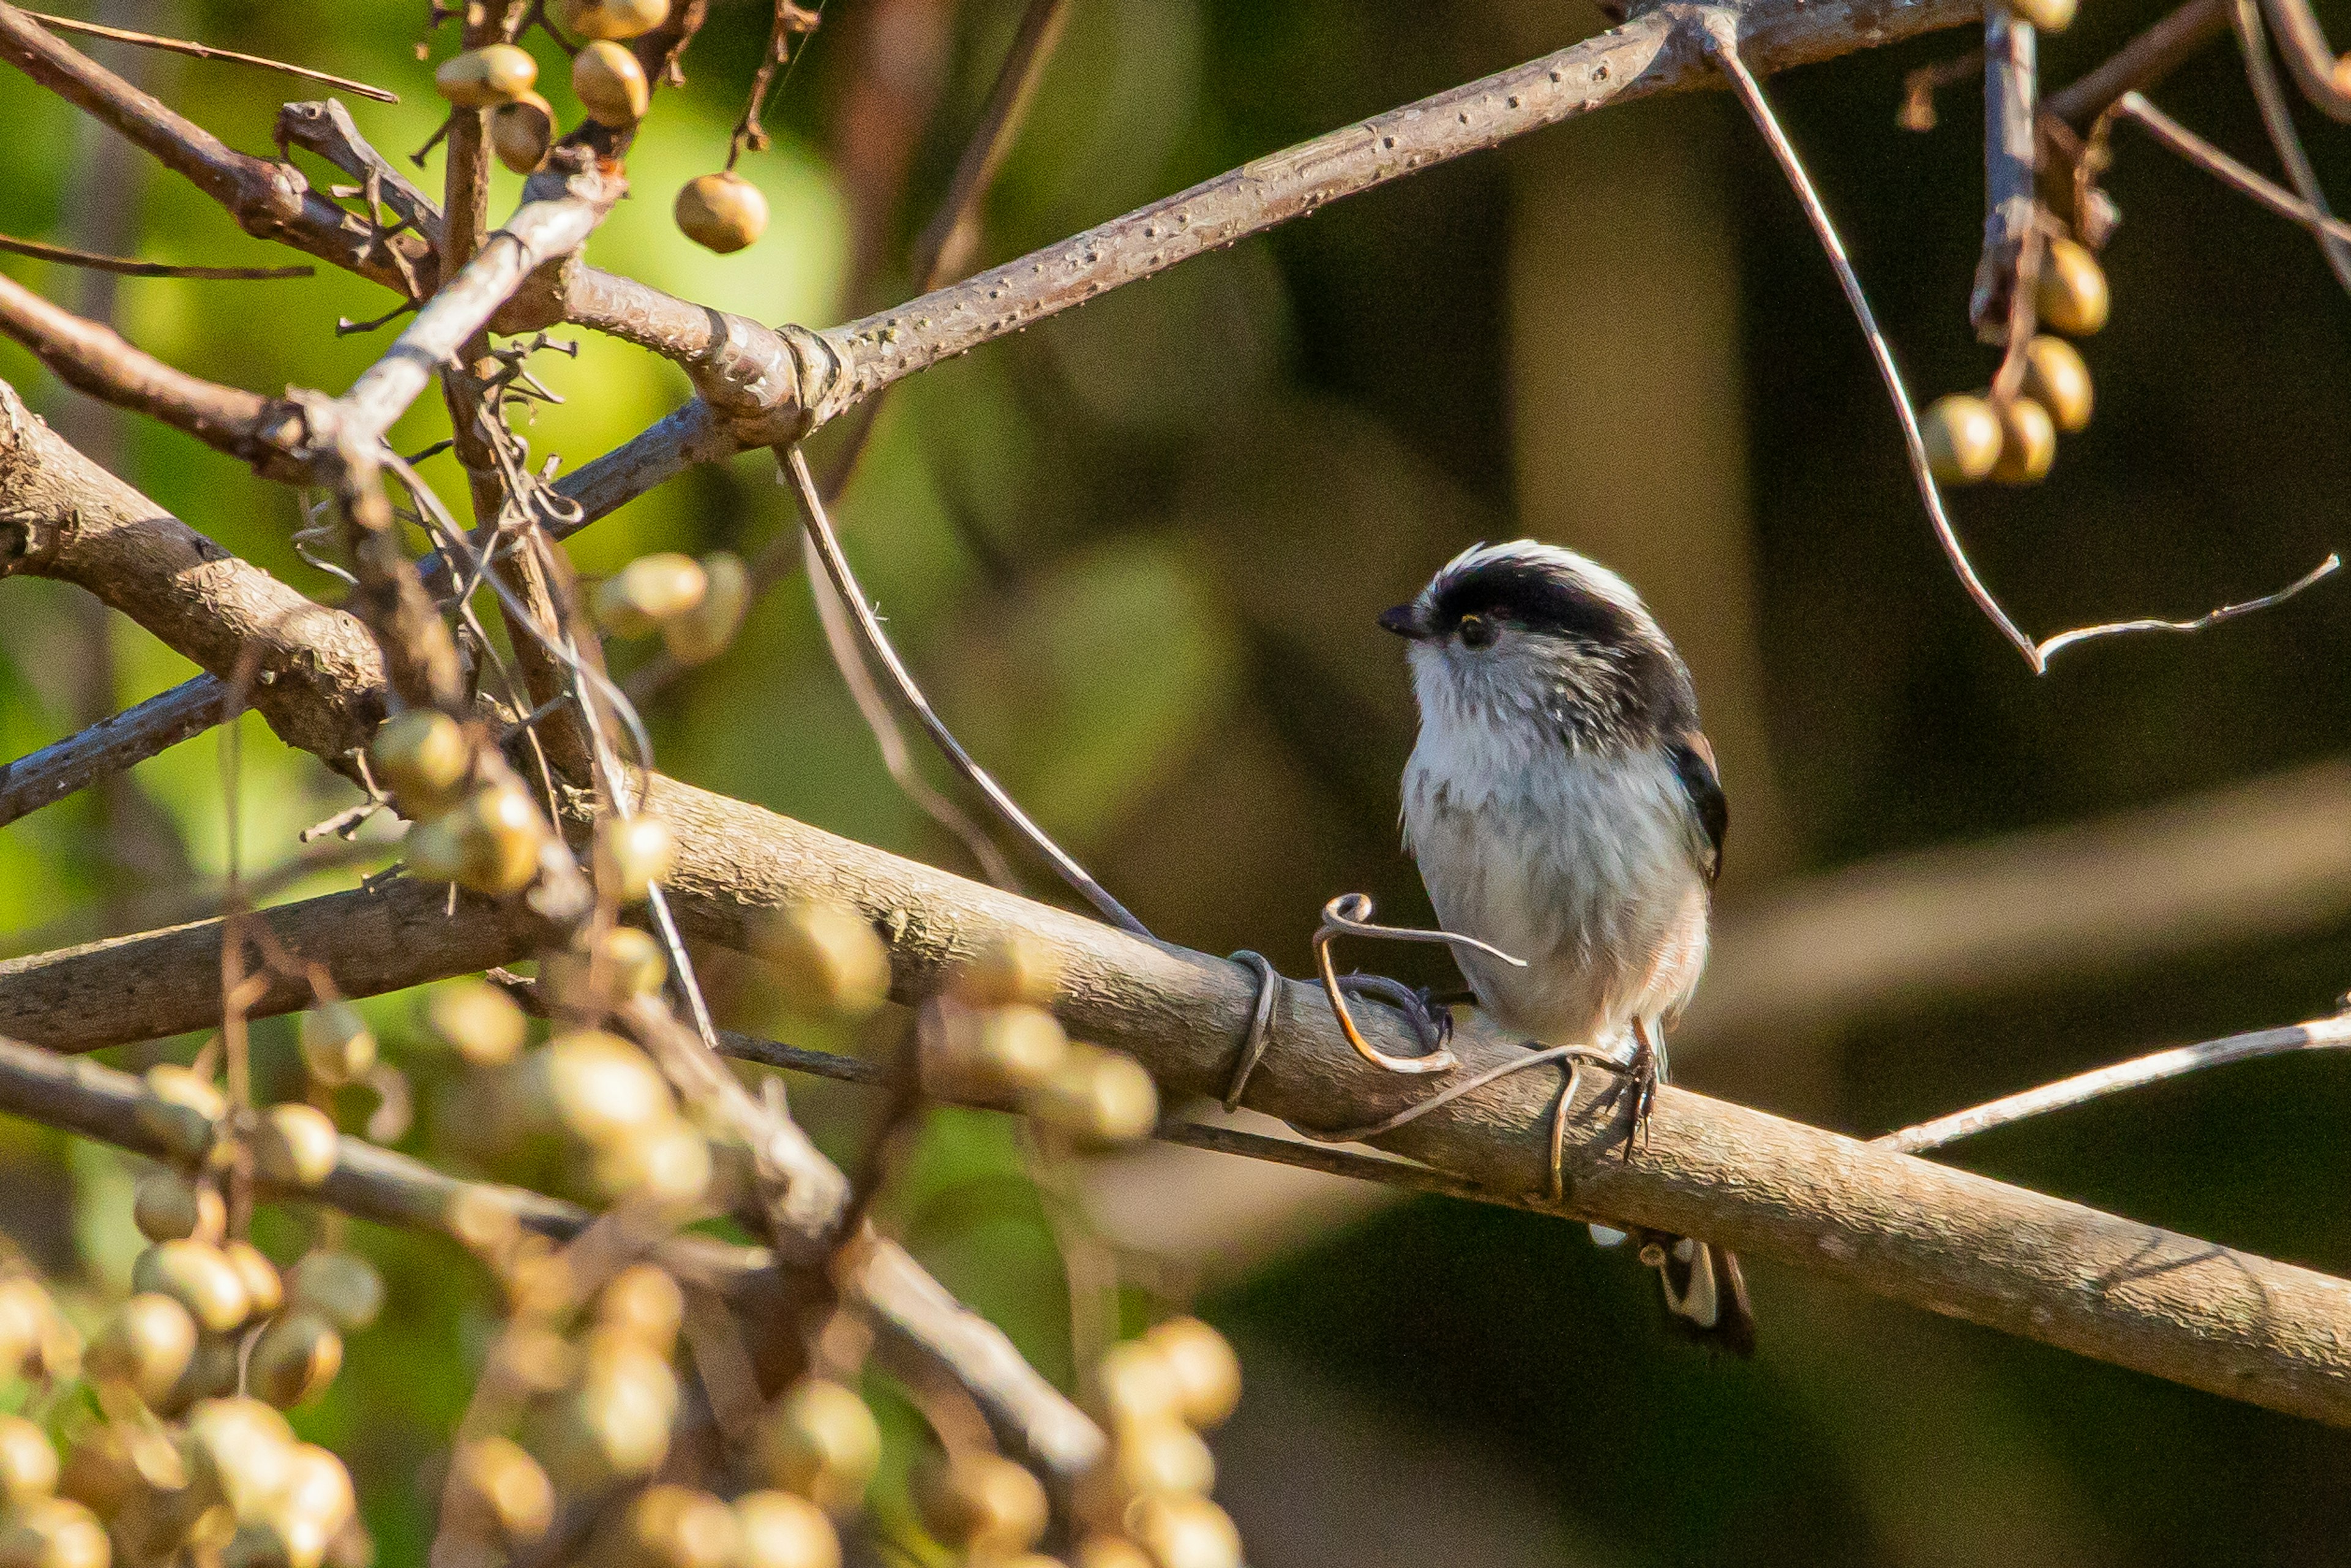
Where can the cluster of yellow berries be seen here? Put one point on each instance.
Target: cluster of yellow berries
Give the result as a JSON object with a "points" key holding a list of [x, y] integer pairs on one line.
{"points": [[1148, 1505], [487, 836], [599, 1410], [178, 1451], [610, 1109], [722, 212], [696, 605], [988, 1039], [1145, 1506], [1972, 437]]}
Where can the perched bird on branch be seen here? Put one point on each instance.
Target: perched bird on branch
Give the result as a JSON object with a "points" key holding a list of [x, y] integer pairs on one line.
{"points": [[1563, 807]]}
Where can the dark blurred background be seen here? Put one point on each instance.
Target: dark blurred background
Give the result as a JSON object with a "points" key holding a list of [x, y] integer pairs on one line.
{"points": [[1137, 553]]}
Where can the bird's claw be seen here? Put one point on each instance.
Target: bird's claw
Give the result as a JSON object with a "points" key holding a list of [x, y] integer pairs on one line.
{"points": [[1637, 1089], [1431, 1019]]}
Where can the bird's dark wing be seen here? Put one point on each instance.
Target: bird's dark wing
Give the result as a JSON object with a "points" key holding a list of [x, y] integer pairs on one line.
{"points": [[1693, 760]]}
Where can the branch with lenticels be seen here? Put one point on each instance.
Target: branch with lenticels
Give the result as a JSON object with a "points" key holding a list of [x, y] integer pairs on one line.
{"points": [[758, 385], [2198, 1314], [1940, 1239]]}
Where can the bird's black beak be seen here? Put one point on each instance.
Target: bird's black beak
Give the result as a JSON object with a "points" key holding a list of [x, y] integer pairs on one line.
{"points": [[1406, 620]]}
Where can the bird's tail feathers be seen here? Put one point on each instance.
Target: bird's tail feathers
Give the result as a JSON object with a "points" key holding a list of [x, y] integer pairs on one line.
{"points": [[1706, 1294]]}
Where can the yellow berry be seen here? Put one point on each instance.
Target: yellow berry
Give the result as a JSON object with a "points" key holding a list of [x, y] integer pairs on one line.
{"points": [[28, 1465], [1098, 1097], [486, 1025], [337, 1047], [614, 18], [294, 1360], [342, 1287], [828, 957], [167, 1205], [2056, 379], [522, 131], [147, 1346], [700, 635], [2071, 297], [2049, 16], [1183, 1531], [501, 1484], [262, 1287], [649, 591], [631, 856], [495, 73], [780, 1530], [1962, 437], [1207, 1374], [609, 83], [294, 1145], [722, 212], [422, 758], [644, 1302], [979, 1503], [822, 1442], [199, 1278], [2028, 443]]}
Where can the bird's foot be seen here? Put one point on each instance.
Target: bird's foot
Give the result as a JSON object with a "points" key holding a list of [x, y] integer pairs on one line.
{"points": [[1635, 1090], [1430, 1016]]}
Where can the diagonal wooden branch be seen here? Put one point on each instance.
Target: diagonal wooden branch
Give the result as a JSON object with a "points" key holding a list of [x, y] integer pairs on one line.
{"points": [[268, 198], [196, 51], [757, 385], [110, 747], [1952, 1242], [316, 676], [809, 379]]}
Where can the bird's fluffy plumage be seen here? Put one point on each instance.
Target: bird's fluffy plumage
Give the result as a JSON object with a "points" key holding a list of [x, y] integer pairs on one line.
{"points": [[1545, 799], [1563, 805]]}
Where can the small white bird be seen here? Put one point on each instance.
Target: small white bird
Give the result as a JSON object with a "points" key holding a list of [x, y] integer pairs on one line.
{"points": [[1563, 806]]}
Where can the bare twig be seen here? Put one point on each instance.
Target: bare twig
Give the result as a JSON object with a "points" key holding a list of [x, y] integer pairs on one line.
{"points": [[877, 644], [127, 267], [111, 746], [208, 52], [790, 22], [2002, 304], [2308, 56], [269, 199], [944, 247], [2330, 1033], [95, 360], [2177, 138], [2146, 60], [2051, 647], [2277, 118]]}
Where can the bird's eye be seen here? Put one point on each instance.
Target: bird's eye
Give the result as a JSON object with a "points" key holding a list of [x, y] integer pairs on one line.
{"points": [[1476, 631]]}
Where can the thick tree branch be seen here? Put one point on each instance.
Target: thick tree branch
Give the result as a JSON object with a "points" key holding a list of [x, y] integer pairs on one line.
{"points": [[791, 391], [1949, 1241], [314, 673]]}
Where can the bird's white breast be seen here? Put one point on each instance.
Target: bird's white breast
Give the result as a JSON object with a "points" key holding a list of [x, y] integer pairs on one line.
{"points": [[1585, 865]]}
